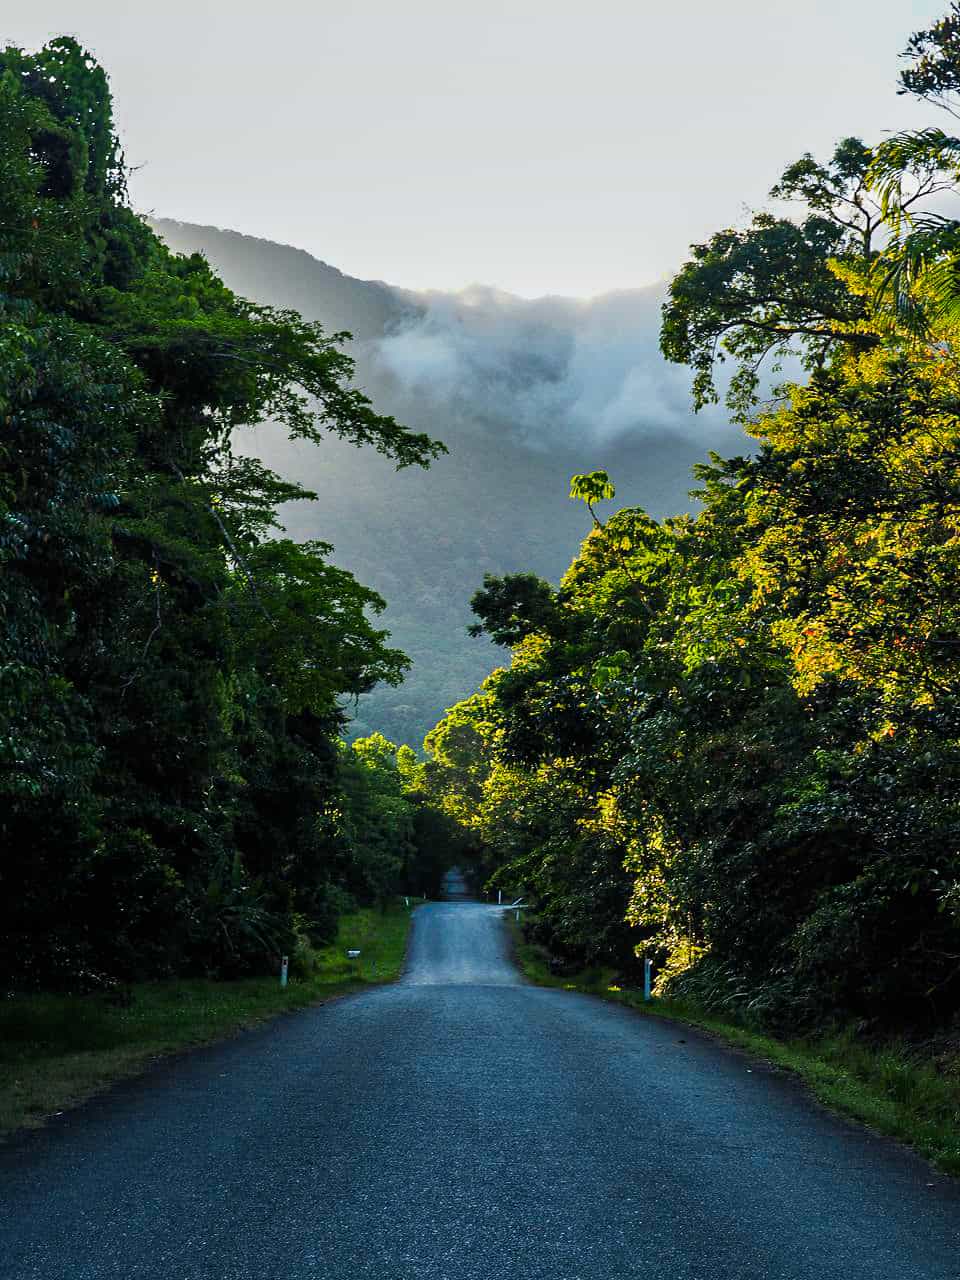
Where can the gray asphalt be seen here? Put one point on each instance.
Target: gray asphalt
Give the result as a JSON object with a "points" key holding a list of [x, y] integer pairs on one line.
{"points": [[461, 1125]]}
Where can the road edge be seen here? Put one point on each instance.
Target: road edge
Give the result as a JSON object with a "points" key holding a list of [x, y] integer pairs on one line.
{"points": [[834, 1085], [80, 1076]]}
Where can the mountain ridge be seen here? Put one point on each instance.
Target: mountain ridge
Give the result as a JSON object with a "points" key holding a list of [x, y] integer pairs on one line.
{"points": [[523, 392]]}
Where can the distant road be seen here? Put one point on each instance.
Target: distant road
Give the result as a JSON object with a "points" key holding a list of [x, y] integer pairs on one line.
{"points": [[461, 1125]]}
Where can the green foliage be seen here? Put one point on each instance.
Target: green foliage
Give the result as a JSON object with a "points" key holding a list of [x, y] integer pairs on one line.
{"points": [[170, 673], [397, 834], [732, 742], [512, 607], [914, 283], [592, 488], [935, 51], [771, 291]]}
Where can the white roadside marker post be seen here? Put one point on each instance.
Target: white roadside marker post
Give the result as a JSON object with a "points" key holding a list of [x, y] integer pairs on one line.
{"points": [[499, 897], [647, 966], [284, 965]]}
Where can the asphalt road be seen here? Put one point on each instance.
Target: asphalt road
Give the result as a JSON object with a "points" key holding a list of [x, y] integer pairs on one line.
{"points": [[463, 1126]]}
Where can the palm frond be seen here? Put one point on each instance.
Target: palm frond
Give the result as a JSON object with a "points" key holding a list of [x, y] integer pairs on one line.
{"points": [[918, 154], [917, 277]]}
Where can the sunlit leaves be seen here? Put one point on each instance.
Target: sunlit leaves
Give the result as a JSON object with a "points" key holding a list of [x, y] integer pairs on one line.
{"points": [[593, 487]]}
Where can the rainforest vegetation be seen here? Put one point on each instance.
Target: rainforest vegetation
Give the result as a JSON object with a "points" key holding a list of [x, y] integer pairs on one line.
{"points": [[174, 794], [530, 392], [731, 742], [727, 741]]}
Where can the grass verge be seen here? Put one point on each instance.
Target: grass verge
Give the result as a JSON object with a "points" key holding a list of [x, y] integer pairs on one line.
{"points": [[56, 1051], [907, 1091]]}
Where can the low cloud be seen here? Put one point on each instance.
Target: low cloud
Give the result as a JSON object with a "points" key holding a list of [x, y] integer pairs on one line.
{"points": [[549, 370]]}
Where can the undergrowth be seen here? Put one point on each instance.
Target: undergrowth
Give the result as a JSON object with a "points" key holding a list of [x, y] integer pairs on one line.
{"points": [[57, 1050]]}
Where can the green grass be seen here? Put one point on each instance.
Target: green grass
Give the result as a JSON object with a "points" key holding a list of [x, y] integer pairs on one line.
{"points": [[909, 1092], [55, 1051]]}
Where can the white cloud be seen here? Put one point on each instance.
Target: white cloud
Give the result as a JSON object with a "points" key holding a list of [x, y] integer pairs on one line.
{"points": [[549, 369]]}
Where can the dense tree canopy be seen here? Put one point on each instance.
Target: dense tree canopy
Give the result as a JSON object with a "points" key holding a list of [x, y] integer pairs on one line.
{"points": [[731, 742], [172, 796]]}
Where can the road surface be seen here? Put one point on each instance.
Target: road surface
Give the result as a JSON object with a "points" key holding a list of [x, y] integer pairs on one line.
{"points": [[461, 1125]]}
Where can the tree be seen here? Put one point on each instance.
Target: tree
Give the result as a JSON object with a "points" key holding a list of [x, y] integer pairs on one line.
{"points": [[742, 729], [512, 607], [771, 291], [170, 671], [935, 51]]}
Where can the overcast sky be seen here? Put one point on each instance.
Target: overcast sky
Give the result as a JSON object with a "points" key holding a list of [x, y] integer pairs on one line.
{"points": [[541, 146]]}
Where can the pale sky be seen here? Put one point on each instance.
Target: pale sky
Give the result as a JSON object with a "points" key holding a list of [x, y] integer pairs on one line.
{"points": [[540, 146]]}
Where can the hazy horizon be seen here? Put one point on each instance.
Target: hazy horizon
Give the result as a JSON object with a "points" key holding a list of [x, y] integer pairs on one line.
{"points": [[535, 148], [550, 370], [524, 393]]}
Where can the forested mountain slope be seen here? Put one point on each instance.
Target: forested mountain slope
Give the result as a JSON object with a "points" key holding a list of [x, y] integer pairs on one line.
{"points": [[523, 394]]}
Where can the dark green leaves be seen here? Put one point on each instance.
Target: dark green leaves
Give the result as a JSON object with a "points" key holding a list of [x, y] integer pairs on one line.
{"points": [[512, 607], [170, 675], [769, 292]]}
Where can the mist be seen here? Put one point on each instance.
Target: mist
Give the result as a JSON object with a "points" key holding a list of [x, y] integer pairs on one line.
{"points": [[522, 392], [551, 371]]}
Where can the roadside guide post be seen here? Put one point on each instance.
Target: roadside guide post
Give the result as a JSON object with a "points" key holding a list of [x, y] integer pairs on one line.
{"points": [[284, 965], [647, 966]]}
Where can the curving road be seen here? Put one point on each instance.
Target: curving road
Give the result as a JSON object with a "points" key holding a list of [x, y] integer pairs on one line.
{"points": [[461, 1125]]}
